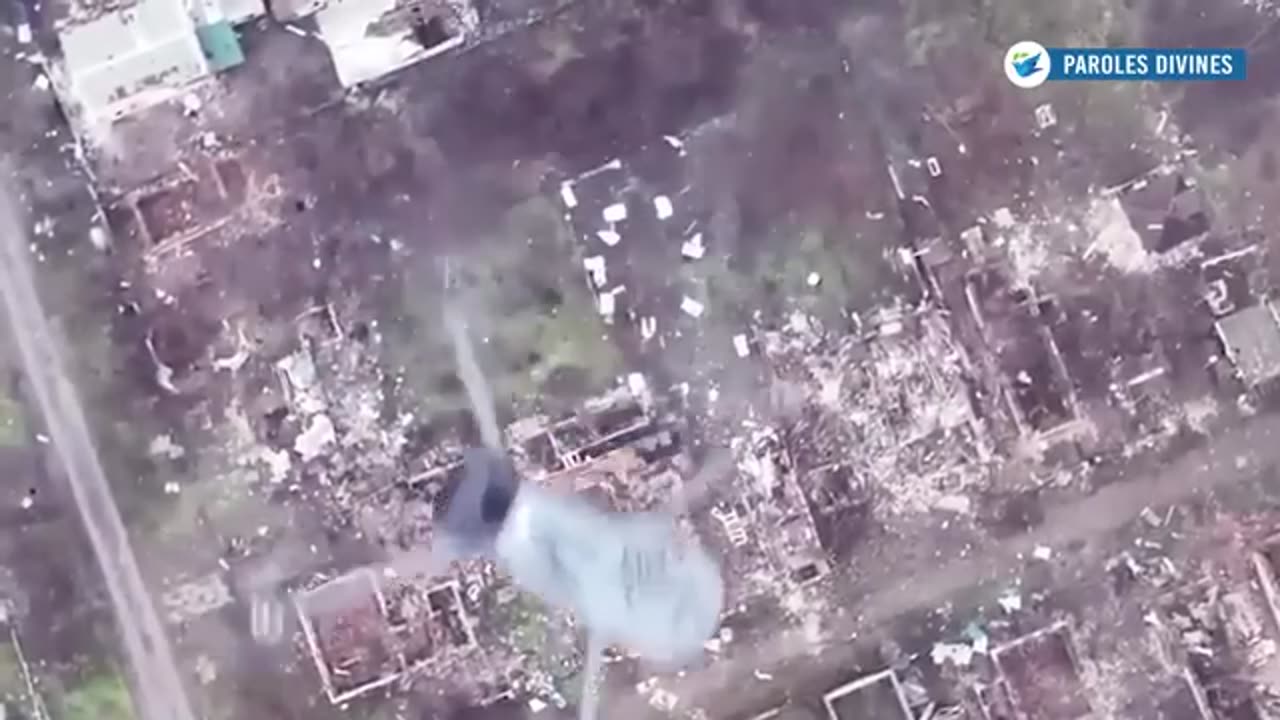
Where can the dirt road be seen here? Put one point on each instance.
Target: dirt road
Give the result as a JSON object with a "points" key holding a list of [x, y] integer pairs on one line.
{"points": [[1234, 456], [158, 689]]}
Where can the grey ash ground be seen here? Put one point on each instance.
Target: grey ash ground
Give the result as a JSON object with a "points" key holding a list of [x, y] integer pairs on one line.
{"points": [[971, 389]]}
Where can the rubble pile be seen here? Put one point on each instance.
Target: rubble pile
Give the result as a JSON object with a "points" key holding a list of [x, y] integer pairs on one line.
{"points": [[895, 407], [773, 506], [1220, 634]]}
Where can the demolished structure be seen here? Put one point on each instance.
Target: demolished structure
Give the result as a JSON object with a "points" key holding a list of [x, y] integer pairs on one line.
{"points": [[878, 695], [911, 409], [364, 633], [890, 412], [368, 40]]}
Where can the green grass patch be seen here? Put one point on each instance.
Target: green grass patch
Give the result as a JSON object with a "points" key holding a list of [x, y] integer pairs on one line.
{"points": [[854, 274], [534, 322], [102, 696], [13, 424]]}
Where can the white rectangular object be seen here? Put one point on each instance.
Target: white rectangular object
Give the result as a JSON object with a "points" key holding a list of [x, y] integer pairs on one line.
{"points": [[693, 248], [1046, 117], [615, 213], [663, 207], [638, 386], [609, 237], [568, 196], [691, 307], [740, 345], [595, 265]]}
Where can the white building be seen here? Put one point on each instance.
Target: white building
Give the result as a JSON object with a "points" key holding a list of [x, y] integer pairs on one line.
{"points": [[119, 58]]}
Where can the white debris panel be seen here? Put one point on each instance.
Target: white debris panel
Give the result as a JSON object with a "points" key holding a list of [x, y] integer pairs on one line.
{"points": [[369, 39]]}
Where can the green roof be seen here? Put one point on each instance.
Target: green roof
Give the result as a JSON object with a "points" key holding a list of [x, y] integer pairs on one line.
{"points": [[221, 45]]}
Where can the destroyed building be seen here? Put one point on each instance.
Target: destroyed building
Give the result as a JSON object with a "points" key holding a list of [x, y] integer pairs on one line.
{"points": [[160, 218], [1039, 388], [1235, 279], [885, 421], [1236, 291], [369, 40], [1166, 210], [878, 695], [1225, 643], [614, 421], [1040, 674], [345, 626], [365, 632], [878, 426], [1251, 339], [1118, 363], [784, 545]]}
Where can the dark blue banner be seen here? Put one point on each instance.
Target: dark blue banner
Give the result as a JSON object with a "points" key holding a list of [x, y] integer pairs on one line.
{"points": [[1155, 64]]}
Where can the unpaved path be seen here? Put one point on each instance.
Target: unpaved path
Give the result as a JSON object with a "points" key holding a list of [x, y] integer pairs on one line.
{"points": [[158, 689]]}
